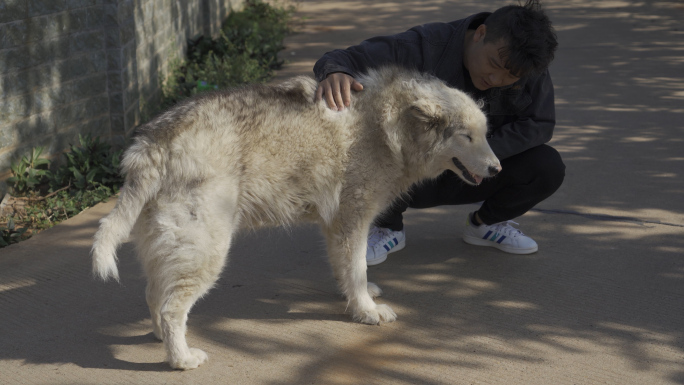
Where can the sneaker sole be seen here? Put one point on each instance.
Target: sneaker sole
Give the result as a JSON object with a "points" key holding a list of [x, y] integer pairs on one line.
{"points": [[512, 250], [382, 259]]}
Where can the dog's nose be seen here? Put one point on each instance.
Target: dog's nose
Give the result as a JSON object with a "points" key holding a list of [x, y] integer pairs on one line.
{"points": [[494, 170]]}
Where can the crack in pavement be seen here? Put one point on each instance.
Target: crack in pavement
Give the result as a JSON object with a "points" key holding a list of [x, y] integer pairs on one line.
{"points": [[605, 217]]}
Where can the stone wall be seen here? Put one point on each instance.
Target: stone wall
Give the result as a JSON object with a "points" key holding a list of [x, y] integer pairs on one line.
{"points": [[70, 67]]}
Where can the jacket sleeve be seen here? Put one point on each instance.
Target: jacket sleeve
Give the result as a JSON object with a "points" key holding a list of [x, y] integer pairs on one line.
{"points": [[532, 126], [403, 49]]}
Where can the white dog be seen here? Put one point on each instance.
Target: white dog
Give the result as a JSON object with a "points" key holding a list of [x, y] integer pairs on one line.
{"points": [[272, 156]]}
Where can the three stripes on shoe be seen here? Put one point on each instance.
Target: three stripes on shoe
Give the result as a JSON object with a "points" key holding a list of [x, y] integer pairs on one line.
{"points": [[493, 238], [391, 245]]}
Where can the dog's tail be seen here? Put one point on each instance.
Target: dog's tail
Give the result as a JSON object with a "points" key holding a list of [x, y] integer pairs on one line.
{"points": [[143, 166]]}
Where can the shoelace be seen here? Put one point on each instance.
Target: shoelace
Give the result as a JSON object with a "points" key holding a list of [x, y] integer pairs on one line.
{"points": [[376, 235], [507, 229]]}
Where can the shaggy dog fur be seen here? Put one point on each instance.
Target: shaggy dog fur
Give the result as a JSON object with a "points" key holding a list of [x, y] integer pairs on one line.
{"points": [[271, 156]]}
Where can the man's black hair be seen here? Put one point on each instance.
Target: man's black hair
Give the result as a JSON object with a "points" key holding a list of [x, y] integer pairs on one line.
{"points": [[530, 41]]}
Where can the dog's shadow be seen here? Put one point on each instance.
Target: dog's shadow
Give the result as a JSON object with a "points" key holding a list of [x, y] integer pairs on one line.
{"points": [[272, 274]]}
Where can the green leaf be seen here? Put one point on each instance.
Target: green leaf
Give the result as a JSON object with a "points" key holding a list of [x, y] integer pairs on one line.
{"points": [[91, 175]]}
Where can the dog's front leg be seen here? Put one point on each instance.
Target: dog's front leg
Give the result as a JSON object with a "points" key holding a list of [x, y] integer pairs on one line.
{"points": [[347, 253]]}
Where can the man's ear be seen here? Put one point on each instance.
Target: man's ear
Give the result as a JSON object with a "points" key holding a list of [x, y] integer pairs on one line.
{"points": [[480, 33]]}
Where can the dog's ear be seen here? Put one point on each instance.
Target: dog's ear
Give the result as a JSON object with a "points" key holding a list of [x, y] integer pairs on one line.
{"points": [[430, 114]]}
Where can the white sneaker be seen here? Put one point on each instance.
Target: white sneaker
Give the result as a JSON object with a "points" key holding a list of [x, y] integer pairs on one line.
{"points": [[381, 242], [501, 235]]}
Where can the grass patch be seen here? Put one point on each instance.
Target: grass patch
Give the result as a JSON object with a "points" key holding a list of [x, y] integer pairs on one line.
{"points": [[40, 198]]}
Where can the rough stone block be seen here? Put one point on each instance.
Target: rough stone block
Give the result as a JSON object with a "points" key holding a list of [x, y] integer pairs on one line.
{"points": [[87, 41], [110, 13], [40, 53], [76, 66], [91, 85], [8, 135], [112, 37], [127, 32], [116, 104], [51, 26], [128, 57], [131, 97], [34, 127], [41, 77], [97, 106], [126, 11], [11, 10], [113, 59], [47, 99], [16, 108], [36, 29], [98, 60], [116, 126], [69, 115], [78, 20], [84, 64], [47, 51], [6, 159], [72, 4], [14, 84], [14, 59], [132, 117], [13, 34], [97, 127], [129, 79], [95, 17], [44, 7], [114, 81]]}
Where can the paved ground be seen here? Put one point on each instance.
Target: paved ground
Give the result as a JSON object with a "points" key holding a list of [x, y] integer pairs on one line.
{"points": [[602, 302]]}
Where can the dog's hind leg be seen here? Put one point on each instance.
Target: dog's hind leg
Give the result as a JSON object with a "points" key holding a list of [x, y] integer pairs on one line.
{"points": [[192, 270], [148, 239], [183, 263], [347, 253], [152, 295]]}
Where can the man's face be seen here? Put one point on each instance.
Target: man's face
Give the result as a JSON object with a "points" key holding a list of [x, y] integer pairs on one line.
{"points": [[484, 63]]}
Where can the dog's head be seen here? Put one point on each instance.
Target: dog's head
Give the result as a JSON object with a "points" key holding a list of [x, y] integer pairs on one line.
{"points": [[451, 129]]}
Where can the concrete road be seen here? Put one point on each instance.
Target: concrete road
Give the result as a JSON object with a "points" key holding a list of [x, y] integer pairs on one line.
{"points": [[602, 302]]}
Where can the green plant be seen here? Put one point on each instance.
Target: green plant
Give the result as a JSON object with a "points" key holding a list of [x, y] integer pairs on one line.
{"points": [[28, 173], [89, 176], [89, 165], [10, 234], [246, 52]]}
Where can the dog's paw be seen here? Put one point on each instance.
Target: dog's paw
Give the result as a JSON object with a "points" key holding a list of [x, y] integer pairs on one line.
{"points": [[381, 313], [157, 334], [373, 290], [196, 358]]}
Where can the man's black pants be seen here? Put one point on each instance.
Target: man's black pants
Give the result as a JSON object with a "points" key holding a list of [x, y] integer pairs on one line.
{"points": [[525, 180]]}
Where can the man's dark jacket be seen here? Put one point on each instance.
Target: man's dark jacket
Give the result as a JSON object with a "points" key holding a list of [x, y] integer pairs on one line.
{"points": [[521, 116]]}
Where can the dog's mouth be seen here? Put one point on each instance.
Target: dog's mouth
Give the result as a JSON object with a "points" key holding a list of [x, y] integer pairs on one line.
{"points": [[467, 175]]}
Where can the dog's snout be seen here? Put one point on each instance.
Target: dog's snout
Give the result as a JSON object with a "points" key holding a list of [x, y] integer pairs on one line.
{"points": [[493, 170]]}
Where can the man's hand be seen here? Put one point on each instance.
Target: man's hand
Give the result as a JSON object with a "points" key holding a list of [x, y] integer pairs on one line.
{"points": [[337, 90]]}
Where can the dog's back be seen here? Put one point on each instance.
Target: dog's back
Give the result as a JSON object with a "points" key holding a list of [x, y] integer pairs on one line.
{"points": [[284, 154]]}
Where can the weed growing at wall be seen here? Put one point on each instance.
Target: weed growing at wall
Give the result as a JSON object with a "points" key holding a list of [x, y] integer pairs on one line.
{"points": [[40, 198], [246, 52]]}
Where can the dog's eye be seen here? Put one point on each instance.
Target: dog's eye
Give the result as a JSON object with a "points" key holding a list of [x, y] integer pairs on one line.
{"points": [[470, 139]]}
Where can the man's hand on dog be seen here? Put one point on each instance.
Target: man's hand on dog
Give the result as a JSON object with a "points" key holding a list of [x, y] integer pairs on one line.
{"points": [[337, 89]]}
